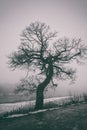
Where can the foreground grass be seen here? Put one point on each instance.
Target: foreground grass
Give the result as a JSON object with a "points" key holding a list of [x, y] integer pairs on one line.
{"points": [[72, 117], [27, 108]]}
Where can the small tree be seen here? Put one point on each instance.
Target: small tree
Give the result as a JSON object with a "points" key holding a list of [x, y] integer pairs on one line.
{"points": [[39, 51]]}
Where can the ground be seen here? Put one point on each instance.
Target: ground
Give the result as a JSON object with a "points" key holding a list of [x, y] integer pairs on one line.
{"points": [[73, 117]]}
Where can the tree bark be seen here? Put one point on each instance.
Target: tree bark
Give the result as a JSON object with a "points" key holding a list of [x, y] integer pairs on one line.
{"points": [[41, 87]]}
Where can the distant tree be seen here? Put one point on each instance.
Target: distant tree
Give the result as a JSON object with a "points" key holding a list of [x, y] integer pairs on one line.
{"points": [[41, 51]]}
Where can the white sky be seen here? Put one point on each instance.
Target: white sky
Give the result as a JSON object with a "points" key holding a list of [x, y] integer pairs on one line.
{"points": [[68, 17]]}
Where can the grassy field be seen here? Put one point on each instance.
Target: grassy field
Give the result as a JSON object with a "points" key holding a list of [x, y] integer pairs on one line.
{"points": [[27, 106], [14, 98], [71, 117]]}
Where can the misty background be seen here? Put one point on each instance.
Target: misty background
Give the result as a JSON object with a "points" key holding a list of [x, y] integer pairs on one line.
{"points": [[68, 17]]}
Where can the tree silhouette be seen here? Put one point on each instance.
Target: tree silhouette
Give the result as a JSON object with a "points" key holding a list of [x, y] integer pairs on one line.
{"points": [[40, 50]]}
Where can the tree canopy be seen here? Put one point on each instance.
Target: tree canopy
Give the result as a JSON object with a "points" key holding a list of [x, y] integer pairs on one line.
{"points": [[40, 49]]}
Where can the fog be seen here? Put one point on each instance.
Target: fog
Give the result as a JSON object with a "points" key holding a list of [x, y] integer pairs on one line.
{"points": [[68, 17]]}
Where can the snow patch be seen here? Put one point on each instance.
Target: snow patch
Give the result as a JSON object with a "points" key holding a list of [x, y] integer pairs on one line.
{"points": [[16, 115], [34, 112]]}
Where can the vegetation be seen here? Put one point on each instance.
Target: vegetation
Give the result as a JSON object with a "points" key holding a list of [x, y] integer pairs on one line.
{"points": [[49, 58], [73, 100], [71, 117]]}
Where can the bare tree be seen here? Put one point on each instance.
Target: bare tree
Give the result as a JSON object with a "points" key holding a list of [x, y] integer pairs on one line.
{"points": [[39, 51]]}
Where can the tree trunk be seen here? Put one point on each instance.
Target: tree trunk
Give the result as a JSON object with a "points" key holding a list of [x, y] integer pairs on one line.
{"points": [[41, 87], [39, 98]]}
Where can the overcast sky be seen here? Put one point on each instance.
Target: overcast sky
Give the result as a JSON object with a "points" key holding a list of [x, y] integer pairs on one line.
{"points": [[68, 17]]}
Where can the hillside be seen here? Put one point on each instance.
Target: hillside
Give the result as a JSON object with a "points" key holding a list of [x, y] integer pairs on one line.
{"points": [[73, 117]]}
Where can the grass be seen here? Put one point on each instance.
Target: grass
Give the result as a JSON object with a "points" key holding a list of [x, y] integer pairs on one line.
{"points": [[76, 99], [20, 110], [71, 117], [71, 114]]}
